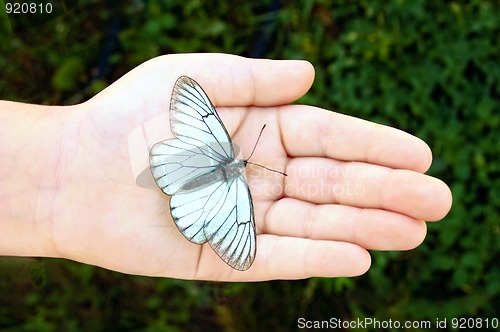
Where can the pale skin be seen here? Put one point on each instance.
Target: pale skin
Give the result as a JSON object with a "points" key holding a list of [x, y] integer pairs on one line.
{"points": [[66, 188]]}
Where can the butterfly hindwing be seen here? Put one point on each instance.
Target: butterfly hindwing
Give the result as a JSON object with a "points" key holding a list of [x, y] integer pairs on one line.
{"points": [[174, 163], [190, 210]]}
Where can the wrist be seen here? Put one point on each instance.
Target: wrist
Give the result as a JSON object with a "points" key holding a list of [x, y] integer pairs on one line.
{"points": [[30, 176]]}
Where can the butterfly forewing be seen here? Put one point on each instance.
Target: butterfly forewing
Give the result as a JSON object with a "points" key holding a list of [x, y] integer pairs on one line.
{"points": [[211, 201], [232, 233], [193, 116]]}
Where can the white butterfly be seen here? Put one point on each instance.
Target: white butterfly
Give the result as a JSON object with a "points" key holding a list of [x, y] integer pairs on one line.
{"points": [[211, 201]]}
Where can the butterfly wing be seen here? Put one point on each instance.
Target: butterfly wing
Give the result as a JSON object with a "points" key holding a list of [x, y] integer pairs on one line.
{"points": [[175, 163], [221, 214], [232, 234], [201, 143], [194, 119], [206, 205]]}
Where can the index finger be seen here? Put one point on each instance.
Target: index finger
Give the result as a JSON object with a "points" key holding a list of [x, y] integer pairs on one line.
{"points": [[314, 132], [229, 80]]}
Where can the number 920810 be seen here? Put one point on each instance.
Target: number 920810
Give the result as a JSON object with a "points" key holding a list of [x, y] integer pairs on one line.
{"points": [[28, 8]]}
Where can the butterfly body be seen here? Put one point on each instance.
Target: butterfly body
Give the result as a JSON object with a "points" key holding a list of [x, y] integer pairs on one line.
{"points": [[226, 171], [210, 199]]}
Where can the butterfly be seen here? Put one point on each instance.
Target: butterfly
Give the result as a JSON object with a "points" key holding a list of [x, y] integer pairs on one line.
{"points": [[210, 198]]}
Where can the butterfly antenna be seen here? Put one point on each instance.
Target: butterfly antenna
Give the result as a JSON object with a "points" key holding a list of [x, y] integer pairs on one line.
{"points": [[258, 138], [269, 169], [251, 154]]}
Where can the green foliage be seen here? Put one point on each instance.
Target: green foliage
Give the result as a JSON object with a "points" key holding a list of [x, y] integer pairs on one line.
{"points": [[66, 76], [429, 68]]}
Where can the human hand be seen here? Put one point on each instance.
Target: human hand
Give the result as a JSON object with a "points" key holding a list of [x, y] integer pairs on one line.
{"points": [[352, 185]]}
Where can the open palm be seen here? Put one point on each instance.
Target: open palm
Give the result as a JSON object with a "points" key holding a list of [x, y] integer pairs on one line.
{"points": [[352, 185]]}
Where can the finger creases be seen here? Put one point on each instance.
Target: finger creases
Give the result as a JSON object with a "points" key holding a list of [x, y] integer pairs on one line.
{"points": [[280, 257], [368, 228], [315, 132], [357, 184]]}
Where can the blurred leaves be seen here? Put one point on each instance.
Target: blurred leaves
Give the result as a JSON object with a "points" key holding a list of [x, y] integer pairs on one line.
{"points": [[67, 76], [429, 68]]}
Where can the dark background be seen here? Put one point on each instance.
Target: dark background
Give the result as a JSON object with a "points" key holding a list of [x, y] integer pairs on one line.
{"points": [[427, 67]]}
